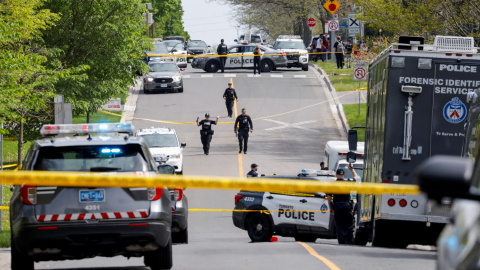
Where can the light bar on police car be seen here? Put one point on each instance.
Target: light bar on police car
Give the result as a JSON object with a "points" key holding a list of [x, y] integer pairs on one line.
{"points": [[88, 128], [314, 172]]}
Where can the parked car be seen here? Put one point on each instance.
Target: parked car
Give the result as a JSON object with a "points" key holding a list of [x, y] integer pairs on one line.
{"points": [[197, 47], [172, 43], [181, 38], [159, 54]]}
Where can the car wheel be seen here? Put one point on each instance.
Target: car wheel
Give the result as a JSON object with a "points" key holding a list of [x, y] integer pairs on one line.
{"points": [[180, 90], [181, 236], [258, 227], [160, 258], [20, 260], [305, 68], [267, 65], [212, 66], [306, 238], [145, 91]]}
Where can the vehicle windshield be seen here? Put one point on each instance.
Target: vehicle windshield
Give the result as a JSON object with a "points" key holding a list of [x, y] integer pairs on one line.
{"points": [[348, 174], [176, 38], [162, 67], [196, 43], [160, 140], [98, 158], [255, 39], [160, 48], [171, 43], [179, 47], [279, 45]]}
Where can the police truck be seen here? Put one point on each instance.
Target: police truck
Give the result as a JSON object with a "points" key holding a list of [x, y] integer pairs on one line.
{"points": [[417, 108]]}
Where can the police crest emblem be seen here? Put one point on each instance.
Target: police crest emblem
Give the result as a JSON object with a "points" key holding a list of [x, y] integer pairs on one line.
{"points": [[454, 111]]}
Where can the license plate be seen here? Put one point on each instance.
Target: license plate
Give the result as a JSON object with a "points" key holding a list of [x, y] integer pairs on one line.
{"points": [[164, 85], [292, 61], [97, 195]]}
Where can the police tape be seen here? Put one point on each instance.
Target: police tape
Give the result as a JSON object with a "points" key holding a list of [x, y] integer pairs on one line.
{"points": [[9, 166], [10, 139], [81, 179], [234, 55], [363, 88], [4, 208], [229, 122]]}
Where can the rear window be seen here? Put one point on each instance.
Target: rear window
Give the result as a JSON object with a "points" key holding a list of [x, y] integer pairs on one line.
{"points": [[108, 158], [256, 39], [196, 44], [161, 140]]}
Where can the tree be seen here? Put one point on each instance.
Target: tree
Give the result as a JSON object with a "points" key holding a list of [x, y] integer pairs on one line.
{"points": [[26, 76], [106, 36], [167, 15]]}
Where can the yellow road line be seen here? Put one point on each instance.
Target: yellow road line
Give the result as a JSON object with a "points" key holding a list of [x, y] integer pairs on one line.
{"points": [[240, 159], [312, 252]]}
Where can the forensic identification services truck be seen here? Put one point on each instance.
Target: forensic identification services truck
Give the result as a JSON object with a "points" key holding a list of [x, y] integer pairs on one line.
{"points": [[417, 108]]}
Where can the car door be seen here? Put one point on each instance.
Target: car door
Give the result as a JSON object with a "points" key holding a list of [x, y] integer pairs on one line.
{"points": [[248, 56], [178, 50], [298, 208], [234, 59]]}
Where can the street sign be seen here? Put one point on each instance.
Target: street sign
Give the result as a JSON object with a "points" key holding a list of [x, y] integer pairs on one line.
{"points": [[332, 6], [360, 71], [335, 16], [353, 31], [333, 25], [353, 22], [311, 22]]}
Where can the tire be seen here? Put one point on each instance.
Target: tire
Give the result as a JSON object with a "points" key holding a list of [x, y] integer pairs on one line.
{"points": [[145, 91], [267, 65], [259, 228], [181, 237], [306, 238], [160, 258], [360, 238], [180, 90], [212, 66], [305, 68], [381, 239], [20, 260]]}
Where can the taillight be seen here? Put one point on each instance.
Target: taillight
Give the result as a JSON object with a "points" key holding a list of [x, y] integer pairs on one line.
{"points": [[391, 202], [238, 197], [154, 193], [403, 202], [28, 194], [178, 194]]}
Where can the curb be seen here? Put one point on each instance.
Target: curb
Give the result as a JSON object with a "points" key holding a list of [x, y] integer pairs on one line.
{"points": [[336, 105], [131, 102]]}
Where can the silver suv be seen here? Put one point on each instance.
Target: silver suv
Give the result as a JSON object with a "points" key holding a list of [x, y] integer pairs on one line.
{"points": [[59, 223]]}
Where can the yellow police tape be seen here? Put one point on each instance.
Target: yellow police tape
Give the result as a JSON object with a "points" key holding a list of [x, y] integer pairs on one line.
{"points": [[232, 55], [4, 208], [363, 88], [80, 179], [9, 166]]}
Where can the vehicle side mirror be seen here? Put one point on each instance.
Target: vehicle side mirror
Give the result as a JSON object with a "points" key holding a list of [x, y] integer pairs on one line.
{"points": [[235, 40], [165, 169], [446, 176], [352, 140], [183, 145], [351, 157]]}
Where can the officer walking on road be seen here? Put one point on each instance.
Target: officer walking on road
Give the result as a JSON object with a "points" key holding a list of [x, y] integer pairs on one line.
{"points": [[222, 49], [253, 172], [342, 210], [245, 124], [230, 96], [206, 132]]}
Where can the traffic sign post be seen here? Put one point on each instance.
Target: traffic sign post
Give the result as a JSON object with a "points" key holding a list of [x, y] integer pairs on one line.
{"points": [[353, 25], [333, 25], [359, 74], [332, 6], [311, 23]]}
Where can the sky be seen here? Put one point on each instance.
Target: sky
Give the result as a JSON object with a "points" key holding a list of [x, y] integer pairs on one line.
{"points": [[210, 21]]}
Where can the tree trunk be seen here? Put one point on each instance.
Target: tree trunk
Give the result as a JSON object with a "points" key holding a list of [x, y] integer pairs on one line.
{"points": [[20, 144], [307, 33], [88, 117]]}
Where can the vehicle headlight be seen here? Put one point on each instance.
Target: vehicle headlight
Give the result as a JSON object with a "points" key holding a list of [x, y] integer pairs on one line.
{"points": [[177, 78], [149, 79], [176, 156]]}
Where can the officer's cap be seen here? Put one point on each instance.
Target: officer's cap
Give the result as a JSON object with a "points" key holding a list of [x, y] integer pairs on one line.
{"points": [[221, 40], [229, 83], [253, 165], [207, 115], [340, 172], [322, 163]]}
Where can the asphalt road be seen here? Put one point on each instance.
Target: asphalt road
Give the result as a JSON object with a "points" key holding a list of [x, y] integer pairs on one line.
{"points": [[293, 119]]}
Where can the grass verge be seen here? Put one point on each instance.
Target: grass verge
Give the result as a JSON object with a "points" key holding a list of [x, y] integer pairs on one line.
{"points": [[4, 239], [98, 117], [356, 120], [342, 79]]}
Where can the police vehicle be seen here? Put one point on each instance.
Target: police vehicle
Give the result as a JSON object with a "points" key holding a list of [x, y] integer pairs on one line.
{"points": [[163, 77], [159, 54], [304, 216], [417, 108], [62, 223], [178, 51], [294, 48], [197, 47], [241, 56]]}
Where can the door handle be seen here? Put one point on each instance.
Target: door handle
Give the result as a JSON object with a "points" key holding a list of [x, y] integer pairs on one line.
{"points": [[269, 197], [303, 201]]}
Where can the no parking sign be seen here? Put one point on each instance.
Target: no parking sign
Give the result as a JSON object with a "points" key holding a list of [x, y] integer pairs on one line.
{"points": [[360, 71]]}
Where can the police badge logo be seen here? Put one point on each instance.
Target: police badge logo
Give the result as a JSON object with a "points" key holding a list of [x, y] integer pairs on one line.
{"points": [[324, 208], [454, 111]]}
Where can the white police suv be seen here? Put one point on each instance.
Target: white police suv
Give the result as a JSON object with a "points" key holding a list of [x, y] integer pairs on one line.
{"points": [[164, 142], [304, 216], [294, 48]]}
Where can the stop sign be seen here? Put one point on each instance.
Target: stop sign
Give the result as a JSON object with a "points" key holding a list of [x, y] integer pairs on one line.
{"points": [[311, 22]]}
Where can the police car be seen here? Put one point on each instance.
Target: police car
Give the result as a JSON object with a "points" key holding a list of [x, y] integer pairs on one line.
{"points": [[294, 47], [180, 55], [61, 223], [304, 216], [240, 56]]}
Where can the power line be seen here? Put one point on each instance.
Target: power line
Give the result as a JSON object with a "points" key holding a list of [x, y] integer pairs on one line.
{"points": [[212, 17]]}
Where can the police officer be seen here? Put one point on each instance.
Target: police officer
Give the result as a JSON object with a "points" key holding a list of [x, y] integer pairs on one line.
{"points": [[342, 210], [322, 166], [253, 172], [222, 49], [206, 132], [230, 95], [245, 124]]}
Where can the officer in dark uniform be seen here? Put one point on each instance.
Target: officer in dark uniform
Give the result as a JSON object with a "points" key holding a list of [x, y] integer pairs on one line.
{"points": [[253, 172], [342, 210], [222, 49], [230, 95], [245, 124], [206, 132], [322, 166]]}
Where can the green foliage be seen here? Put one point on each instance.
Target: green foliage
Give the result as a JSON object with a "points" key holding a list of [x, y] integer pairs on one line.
{"points": [[341, 79], [356, 120], [105, 39], [5, 237], [168, 17]]}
